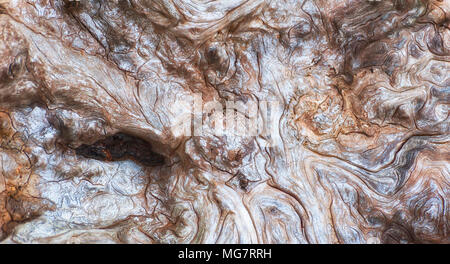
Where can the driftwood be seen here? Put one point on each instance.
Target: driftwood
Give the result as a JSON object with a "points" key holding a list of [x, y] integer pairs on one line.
{"points": [[224, 121]]}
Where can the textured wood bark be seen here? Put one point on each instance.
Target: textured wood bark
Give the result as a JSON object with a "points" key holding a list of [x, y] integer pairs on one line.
{"points": [[92, 94]]}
